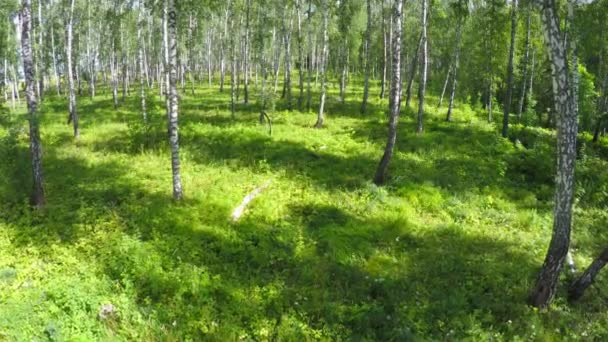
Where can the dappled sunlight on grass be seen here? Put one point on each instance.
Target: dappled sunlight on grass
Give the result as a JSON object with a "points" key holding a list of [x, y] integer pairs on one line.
{"points": [[445, 250]]}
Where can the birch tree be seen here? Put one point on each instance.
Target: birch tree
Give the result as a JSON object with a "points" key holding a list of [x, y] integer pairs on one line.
{"points": [[395, 95], [27, 55]]}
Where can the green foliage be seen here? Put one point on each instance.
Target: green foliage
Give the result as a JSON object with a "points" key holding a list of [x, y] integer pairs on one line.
{"points": [[445, 251]]}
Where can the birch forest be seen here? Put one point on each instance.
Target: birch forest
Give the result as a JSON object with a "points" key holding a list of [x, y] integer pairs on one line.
{"points": [[303, 170]]}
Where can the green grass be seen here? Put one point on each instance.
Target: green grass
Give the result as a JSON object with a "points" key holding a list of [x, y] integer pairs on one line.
{"points": [[447, 250]]}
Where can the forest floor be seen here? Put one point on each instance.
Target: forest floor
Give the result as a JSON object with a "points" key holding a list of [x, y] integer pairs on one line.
{"points": [[447, 250]]}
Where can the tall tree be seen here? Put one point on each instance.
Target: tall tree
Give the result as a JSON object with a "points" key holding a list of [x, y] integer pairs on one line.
{"points": [[37, 196], [171, 69], [140, 61], [509, 95], [395, 95], [423, 67], [368, 64], [566, 122], [69, 34], [460, 11], [524, 67], [324, 56]]}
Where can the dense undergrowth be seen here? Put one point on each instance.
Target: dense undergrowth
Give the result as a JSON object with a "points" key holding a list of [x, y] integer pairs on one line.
{"points": [[445, 251]]}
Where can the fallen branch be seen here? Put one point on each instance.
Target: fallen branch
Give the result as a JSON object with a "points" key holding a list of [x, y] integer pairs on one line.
{"points": [[265, 117], [238, 211]]}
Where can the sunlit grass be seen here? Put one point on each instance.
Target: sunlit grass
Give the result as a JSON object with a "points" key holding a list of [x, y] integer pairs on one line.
{"points": [[446, 250]]}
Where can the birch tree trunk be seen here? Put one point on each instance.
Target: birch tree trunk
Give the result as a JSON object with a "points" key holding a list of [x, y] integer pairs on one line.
{"points": [[367, 46], [287, 80], [423, 67], [546, 284], [140, 57], [385, 56], [445, 86], [410, 83], [310, 57], [509, 95], [524, 68], [246, 55], [395, 98], [172, 76], [300, 55], [57, 80], [73, 114], [325, 55], [37, 195], [40, 61], [455, 66]]}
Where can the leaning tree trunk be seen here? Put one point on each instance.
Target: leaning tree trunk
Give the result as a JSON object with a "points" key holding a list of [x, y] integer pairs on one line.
{"points": [[395, 98], [445, 86], [546, 283], [368, 64], [325, 55], [455, 67], [73, 114], [578, 287], [507, 106], [423, 67], [173, 124], [37, 196]]}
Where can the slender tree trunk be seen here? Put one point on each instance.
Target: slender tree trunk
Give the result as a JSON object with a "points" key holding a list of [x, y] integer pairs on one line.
{"points": [[114, 76], [300, 55], [222, 58], [395, 98], [233, 70], [445, 86], [73, 114], [40, 61], [140, 57], [455, 67], [385, 54], [367, 47], [507, 105], [310, 57], [57, 80], [524, 77], [287, 80], [566, 122], [246, 55], [37, 196], [343, 74], [173, 105], [209, 76], [320, 116], [572, 46], [423, 67], [413, 67]]}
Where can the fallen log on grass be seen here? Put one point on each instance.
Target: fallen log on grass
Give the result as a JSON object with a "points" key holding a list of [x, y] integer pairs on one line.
{"points": [[238, 211]]}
